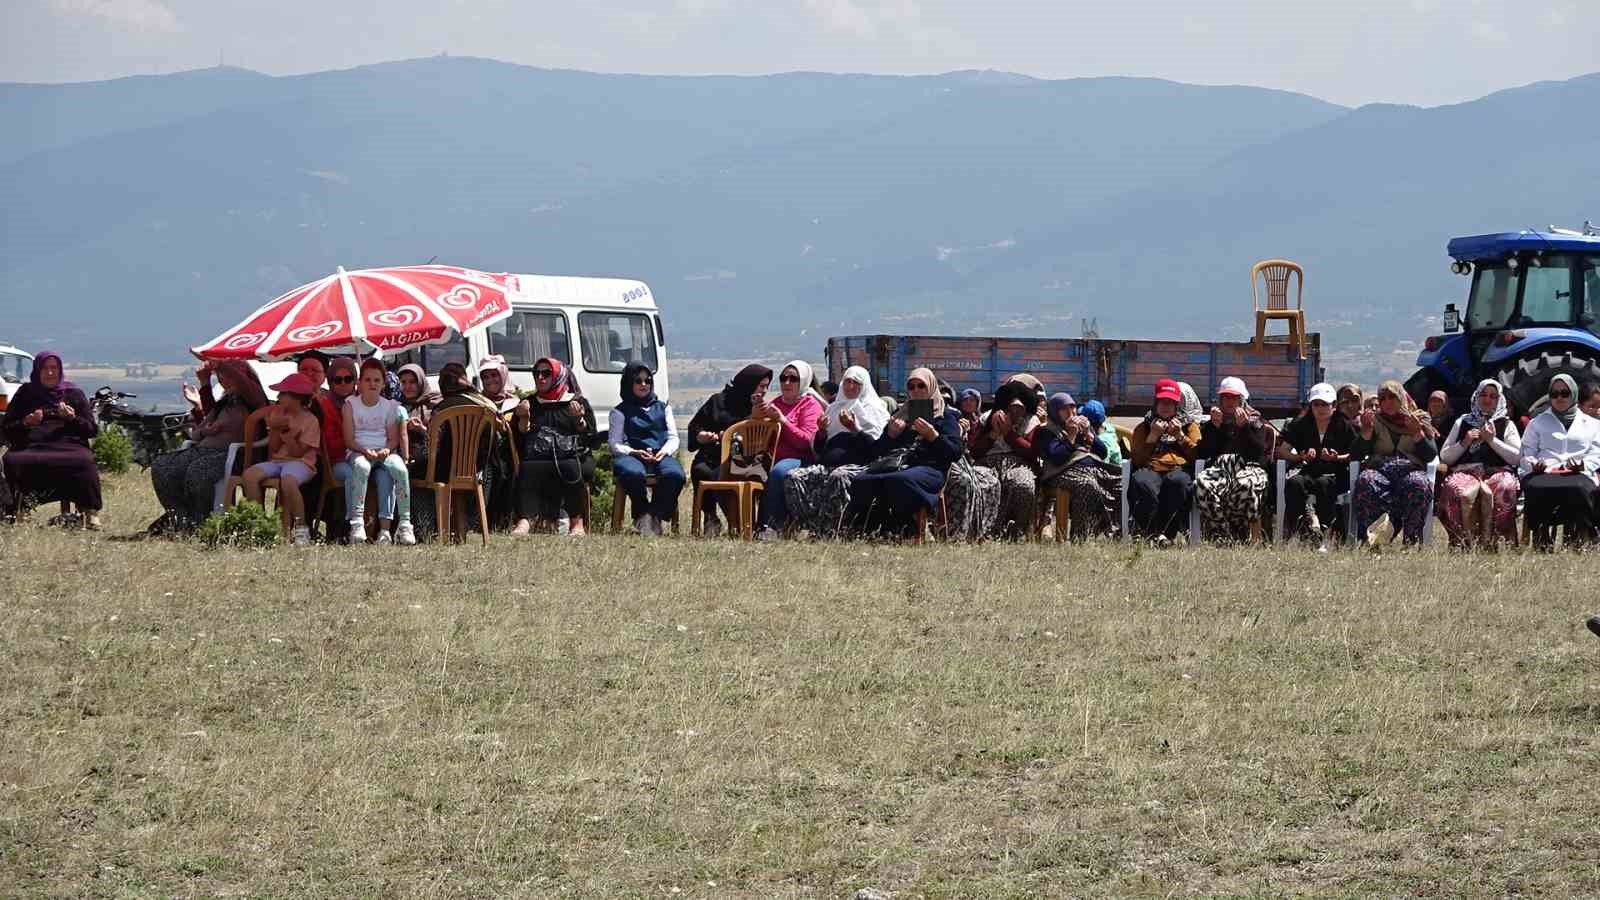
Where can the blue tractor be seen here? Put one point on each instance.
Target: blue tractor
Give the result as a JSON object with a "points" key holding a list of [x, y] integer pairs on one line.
{"points": [[1533, 312]]}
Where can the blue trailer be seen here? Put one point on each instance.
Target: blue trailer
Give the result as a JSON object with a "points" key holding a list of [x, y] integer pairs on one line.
{"points": [[1121, 374]]}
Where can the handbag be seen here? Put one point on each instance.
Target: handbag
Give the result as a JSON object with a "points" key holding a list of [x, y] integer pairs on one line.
{"points": [[549, 443], [893, 461], [743, 466]]}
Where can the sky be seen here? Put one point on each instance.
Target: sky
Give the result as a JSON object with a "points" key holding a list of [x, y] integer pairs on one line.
{"points": [[1425, 52]]}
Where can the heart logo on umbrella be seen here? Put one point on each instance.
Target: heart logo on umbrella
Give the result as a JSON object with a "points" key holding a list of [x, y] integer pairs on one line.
{"points": [[399, 317], [311, 333], [241, 341], [462, 296]]}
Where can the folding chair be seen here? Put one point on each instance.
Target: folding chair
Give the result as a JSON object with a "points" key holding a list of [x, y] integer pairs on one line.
{"points": [[759, 434]]}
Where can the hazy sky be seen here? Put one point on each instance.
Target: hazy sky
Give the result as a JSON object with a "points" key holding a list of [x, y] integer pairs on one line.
{"points": [[1348, 51]]}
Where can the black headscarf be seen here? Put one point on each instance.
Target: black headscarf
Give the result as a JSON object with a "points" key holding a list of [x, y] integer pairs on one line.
{"points": [[736, 396], [629, 401]]}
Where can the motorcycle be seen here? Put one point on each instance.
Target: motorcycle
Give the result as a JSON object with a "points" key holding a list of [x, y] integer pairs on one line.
{"points": [[151, 433]]}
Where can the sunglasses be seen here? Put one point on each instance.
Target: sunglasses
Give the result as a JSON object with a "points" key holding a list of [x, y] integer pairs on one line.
{"points": [[342, 379], [1555, 394], [543, 373], [788, 379], [644, 381], [916, 386]]}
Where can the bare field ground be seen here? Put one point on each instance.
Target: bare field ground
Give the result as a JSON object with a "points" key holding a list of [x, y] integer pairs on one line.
{"points": [[622, 718]]}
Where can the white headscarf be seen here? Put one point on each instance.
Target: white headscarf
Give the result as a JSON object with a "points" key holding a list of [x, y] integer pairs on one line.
{"points": [[869, 411], [1190, 406], [1474, 417], [803, 369]]}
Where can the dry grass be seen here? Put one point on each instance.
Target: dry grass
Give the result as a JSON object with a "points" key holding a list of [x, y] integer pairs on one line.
{"points": [[616, 718]]}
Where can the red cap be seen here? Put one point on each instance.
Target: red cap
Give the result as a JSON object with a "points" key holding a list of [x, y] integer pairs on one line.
{"points": [[296, 384], [1167, 389]]}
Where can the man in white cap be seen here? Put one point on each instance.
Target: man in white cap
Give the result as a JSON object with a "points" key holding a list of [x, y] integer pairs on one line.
{"points": [[1317, 447]]}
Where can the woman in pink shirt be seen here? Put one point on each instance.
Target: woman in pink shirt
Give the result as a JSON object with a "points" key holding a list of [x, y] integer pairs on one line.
{"points": [[797, 408]]}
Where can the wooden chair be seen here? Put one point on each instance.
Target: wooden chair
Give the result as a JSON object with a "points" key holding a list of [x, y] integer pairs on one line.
{"points": [[922, 521], [1275, 273], [1061, 497], [469, 425], [619, 505], [754, 433]]}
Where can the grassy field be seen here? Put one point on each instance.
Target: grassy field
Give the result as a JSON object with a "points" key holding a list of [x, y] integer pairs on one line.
{"points": [[619, 718]]}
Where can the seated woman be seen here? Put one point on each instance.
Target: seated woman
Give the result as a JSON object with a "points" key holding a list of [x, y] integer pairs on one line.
{"points": [[1589, 399], [419, 401], [1005, 444], [644, 441], [48, 426], [494, 378], [294, 443], [1478, 500], [494, 455], [969, 406], [1074, 458], [909, 469], [732, 404], [186, 480], [556, 425], [1559, 460], [1232, 490], [1317, 445], [796, 409], [1164, 444], [846, 436], [1395, 444], [971, 492], [1348, 404]]}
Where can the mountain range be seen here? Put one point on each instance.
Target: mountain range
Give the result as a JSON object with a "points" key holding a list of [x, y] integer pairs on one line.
{"points": [[146, 214]]}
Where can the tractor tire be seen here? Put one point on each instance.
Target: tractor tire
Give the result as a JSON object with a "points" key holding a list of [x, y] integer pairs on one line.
{"points": [[1527, 381], [1422, 384]]}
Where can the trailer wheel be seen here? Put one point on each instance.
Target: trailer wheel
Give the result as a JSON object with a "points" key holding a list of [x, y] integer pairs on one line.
{"points": [[1527, 381]]}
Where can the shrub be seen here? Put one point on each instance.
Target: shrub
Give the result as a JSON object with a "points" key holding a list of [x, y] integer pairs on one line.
{"points": [[244, 525], [113, 451], [600, 500]]}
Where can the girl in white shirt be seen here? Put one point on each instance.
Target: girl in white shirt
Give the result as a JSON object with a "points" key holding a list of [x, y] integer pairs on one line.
{"points": [[376, 438]]}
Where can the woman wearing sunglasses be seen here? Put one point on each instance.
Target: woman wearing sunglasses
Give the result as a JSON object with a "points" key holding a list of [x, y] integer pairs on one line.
{"points": [[644, 439], [797, 409], [1560, 456], [556, 470], [912, 457]]}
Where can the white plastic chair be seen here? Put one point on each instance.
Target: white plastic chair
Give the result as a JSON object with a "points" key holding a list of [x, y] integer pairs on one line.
{"points": [[1127, 480], [1194, 505]]}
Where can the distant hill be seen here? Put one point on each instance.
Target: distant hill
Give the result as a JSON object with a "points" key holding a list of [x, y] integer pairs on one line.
{"points": [[143, 215]]}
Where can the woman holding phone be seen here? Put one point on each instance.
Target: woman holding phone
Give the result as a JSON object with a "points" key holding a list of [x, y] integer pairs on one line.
{"points": [[797, 409], [918, 445]]}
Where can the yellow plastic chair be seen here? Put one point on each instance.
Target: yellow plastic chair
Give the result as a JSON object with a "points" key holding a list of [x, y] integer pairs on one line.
{"points": [[1275, 274], [753, 433]]}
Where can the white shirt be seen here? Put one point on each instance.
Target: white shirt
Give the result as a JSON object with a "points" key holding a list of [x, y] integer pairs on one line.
{"points": [[619, 440], [1551, 442], [371, 423]]}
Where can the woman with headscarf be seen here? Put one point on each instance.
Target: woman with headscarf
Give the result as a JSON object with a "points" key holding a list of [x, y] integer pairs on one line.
{"points": [[1164, 445], [797, 410], [553, 478], [494, 456], [494, 380], [1232, 490], [734, 403], [48, 425], [644, 444], [419, 400], [186, 480], [846, 435], [1005, 443], [1559, 461], [1074, 458], [909, 466], [1394, 442], [1478, 500]]}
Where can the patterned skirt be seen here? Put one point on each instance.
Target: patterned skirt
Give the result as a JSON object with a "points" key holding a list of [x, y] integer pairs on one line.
{"points": [[1231, 493], [817, 497], [971, 500], [1095, 506]]}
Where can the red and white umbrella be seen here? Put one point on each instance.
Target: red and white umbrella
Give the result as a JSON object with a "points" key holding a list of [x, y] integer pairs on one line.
{"points": [[383, 309]]}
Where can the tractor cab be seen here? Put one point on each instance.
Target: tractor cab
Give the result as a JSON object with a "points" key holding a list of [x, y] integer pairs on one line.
{"points": [[1532, 311]]}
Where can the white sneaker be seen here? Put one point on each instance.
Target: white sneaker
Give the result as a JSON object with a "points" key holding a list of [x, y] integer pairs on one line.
{"points": [[383, 538], [1380, 532], [300, 536], [358, 531], [405, 535]]}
